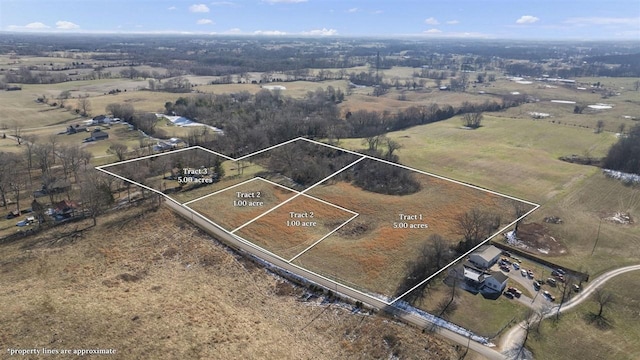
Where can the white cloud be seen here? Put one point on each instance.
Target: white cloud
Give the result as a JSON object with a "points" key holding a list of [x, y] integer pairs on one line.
{"points": [[284, 1], [171, 8], [204, 22], [527, 19], [36, 25], [321, 32], [595, 20], [199, 8], [66, 25], [269, 32], [432, 31], [378, 12], [453, 22], [431, 21], [353, 10], [233, 31], [223, 3]]}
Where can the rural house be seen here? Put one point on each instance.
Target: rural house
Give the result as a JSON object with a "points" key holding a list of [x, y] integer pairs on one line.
{"points": [[485, 256], [495, 281], [99, 135]]}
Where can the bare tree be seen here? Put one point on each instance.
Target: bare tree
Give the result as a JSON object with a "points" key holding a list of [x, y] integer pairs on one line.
{"points": [[519, 210], [605, 300], [530, 323], [95, 194], [84, 105], [8, 163], [599, 126], [119, 150], [63, 96], [17, 132], [621, 128], [473, 226], [472, 120], [30, 140], [392, 146], [566, 287]]}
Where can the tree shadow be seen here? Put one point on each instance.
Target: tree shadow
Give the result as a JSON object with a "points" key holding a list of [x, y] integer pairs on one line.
{"points": [[598, 321]]}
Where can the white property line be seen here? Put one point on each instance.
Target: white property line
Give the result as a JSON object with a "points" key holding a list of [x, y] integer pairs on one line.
{"points": [[267, 149], [239, 238], [421, 172], [324, 237], [219, 191], [463, 255], [298, 194], [303, 193], [311, 197]]}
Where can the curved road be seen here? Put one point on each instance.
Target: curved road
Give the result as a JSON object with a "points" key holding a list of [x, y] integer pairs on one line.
{"points": [[513, 338], [415, 319]]}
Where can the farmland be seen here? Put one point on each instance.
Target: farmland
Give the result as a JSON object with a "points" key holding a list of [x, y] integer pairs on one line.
{"points": [[339, 213], [141, 278], [337, 227]]}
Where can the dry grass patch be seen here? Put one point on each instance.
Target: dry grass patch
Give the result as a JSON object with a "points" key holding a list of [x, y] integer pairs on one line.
{"points": [[157, 288]]}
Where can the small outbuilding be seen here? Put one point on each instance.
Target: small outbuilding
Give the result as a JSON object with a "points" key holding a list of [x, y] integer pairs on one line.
{"points": [[485, 256]]}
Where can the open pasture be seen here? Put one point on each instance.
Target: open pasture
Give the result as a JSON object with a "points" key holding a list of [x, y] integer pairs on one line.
{"points": [[391, 230]]}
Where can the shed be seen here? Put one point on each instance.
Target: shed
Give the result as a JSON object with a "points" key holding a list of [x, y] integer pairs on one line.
{"points": [[485, 256]]}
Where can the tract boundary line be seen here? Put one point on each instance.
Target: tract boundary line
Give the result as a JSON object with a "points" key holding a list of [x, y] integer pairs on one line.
{"points": [[298, 194], [102, 168]]}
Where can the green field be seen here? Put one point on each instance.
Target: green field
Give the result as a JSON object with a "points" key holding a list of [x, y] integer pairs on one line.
{"points": [[573, 337]]}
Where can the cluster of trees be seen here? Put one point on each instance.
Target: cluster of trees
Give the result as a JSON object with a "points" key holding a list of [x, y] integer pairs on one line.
{"points": [[306, 163], [625, 154], [473, 226], [48, 170], [252, 122]]}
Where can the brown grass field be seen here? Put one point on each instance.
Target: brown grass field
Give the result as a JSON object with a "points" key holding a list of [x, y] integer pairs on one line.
{"points": [[223, 208], [371, 254], [286, 236], [150, 286]]}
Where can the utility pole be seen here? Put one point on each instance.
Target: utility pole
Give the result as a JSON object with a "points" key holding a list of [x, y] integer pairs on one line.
{"points": [[597, 238]]}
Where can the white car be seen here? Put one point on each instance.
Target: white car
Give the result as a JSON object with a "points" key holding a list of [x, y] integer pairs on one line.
{"points": [[523, 272]]}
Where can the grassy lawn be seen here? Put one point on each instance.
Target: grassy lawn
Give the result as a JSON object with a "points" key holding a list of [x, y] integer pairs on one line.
{"points": [[485, 317], [518, 158], [573, 337]]}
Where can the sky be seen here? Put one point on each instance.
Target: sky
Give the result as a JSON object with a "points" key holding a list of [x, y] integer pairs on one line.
{"points": [[491, 19]]}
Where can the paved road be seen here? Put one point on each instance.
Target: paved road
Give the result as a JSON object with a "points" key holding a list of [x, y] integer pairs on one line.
{"points": [[514, 337], [415, 319]]}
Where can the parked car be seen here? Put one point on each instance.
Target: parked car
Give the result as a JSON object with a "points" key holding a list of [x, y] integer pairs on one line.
{"points": [[516, 266], [530, 274], [576, 287], [552, 282], [549, 296], [523, 272], [28, 221], [508, 295], [536, 285]]}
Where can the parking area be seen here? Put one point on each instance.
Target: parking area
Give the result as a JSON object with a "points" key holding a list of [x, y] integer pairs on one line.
{"points": [[533, 284]]}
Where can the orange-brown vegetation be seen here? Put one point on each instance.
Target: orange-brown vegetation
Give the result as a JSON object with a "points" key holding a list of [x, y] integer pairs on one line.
{"points": [[287, 235], [151, 286]]}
